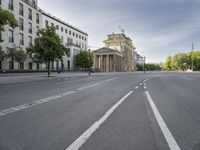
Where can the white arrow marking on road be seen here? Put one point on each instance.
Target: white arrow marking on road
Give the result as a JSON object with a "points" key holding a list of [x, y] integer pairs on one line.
{"points": [[165, 130], [83, 138]]}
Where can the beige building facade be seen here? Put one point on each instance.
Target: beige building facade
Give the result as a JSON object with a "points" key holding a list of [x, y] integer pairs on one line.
{"points": [[107, 60], [124, 45]]}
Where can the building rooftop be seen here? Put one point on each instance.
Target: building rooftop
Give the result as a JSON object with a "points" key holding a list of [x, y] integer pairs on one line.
{"points": [[62, 22]]}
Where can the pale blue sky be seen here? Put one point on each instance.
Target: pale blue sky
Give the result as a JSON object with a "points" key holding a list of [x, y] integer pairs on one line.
{"points": [[159, 28]]}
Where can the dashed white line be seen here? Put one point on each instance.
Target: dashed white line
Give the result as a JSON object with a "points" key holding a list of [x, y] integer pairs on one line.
{"points": [[83, 138], [145, 87], [140, 83], [136, 87], [165, 130], [146, 80], [47, 99]]}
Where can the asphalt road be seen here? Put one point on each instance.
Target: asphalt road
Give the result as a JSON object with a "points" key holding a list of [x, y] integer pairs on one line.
{"points": [[119, 111]]}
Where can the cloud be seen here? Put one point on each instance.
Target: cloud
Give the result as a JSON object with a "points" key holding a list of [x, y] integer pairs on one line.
{"points": [[159, 28]]}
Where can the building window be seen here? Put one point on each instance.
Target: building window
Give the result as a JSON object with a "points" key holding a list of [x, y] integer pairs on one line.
{"points": [[37, 31], [21, 24], [21, 39], [57, 64], [37, 18], [52, 65], [30, 28], [82, 37], [0, 65], [52, 24], [21, 9], [57, 27], [73, 34], [70, 32], [29, 14], [77, 35], [30, 66], [69, 41], [34, 4], [11, 36], [30, 43], [11, 65], [65, 30], [21, 65], [82, 46], [68, 53], [46, 23], [10, 5], [38, 66], [61, 29], [85, 39]]}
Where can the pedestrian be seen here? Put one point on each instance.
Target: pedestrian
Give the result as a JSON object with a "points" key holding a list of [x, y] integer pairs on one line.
{"points": [[89, 73]]}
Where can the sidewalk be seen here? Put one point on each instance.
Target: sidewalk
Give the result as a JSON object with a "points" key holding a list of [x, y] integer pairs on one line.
{"points": [[27, 77]]}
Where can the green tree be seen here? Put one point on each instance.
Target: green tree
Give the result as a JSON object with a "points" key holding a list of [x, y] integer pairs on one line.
{"points": [[48, 47], [183, 61], [11, 51], [7, 17], [139, 67], [2, 54], [16, 54], [167, 64], [83, 60], [20, 56]]}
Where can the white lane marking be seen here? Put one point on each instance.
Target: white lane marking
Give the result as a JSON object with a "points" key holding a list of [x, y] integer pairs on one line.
{"points": [[165, 130], [136, 87], [83, 138], [145, 87], [140, 83], [144, 84], [47, 99], [146, 80], [87, 87]]}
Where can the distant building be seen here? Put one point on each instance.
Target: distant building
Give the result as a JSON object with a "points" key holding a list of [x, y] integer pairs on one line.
{"points": [[29, 18], [138, 59], [124, 45], [71, 37], [107, 60]]}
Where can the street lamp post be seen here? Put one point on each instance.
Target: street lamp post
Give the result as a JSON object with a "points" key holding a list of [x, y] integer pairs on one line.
{"points": [[192, 67], [144, 65]]}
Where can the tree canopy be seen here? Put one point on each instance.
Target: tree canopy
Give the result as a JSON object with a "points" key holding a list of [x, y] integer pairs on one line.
{"points": [[148, 66], [16, 54], [47, 48], [83, 60], [7, 17], [2, 54], [183, 61]]}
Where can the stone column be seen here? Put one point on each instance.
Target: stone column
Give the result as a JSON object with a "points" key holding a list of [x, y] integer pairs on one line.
{"points": [[107, 64], [94, 60], [114, 61], [101, 62]]}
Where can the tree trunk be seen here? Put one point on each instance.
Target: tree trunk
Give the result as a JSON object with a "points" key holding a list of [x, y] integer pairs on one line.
{"points": [[48, 68]]}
